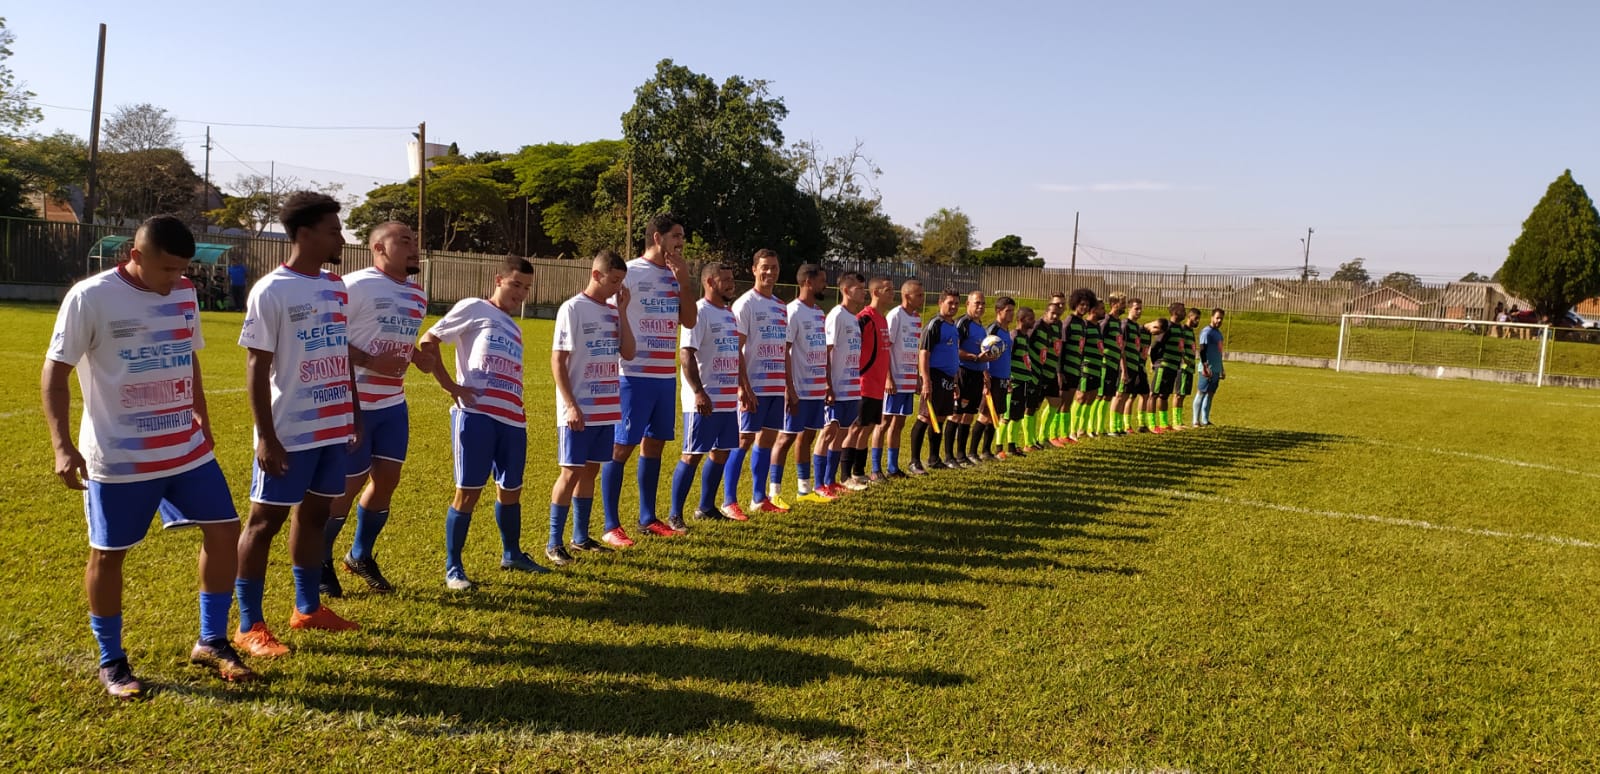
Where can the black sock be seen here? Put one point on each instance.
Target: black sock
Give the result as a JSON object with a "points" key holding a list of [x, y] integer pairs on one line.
{"points": [[847, 462], [861, 461], [951, 433], [918, 431], [933, 449], [988, 440]]}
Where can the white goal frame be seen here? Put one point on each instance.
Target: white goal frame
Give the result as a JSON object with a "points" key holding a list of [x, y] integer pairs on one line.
{"points": [[1542, 332]]}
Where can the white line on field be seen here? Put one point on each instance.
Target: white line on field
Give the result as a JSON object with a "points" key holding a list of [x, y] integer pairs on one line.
{"points": [[1485, 458], [1389, 520], [10, 414]]}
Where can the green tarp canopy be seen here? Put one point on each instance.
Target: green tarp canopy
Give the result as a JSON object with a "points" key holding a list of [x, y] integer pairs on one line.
{"points": [[108, 247], [204, 252]]}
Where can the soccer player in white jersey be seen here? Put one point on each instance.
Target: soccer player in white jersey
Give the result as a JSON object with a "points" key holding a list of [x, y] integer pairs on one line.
{"points": [[386, 311], [649, 411], [843, 339], [763, 326], [302, 394], [488, 426], [145, 442], [905, 339], [806, 389], [711, 373], [591, 338]]}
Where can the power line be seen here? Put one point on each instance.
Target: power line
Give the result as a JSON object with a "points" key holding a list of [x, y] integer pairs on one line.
{"points": [[256, 126]]}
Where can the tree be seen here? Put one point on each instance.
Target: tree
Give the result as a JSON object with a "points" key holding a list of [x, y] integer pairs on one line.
{"points": [[947, 237], [47, 164], [140, 127], [13, 202], [1555, 262], [1404, 282], [252, 202], [1353, 271], [1473, 276], [712, 155], [1007, 251], [138, 184], [848, 202], [567, 188], [16, 102], [396, 201], [472, 200]]}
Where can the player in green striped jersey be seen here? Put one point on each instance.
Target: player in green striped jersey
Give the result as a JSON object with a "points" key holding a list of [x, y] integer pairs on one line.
{"points": [[1047, 347], [1191, 359], [1166, 353], [1017, 428], [1135, 386], [1092, 384], [1075, 360]]}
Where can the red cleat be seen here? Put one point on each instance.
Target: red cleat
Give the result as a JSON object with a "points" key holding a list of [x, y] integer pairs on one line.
{"points": [[733, 512], [659, 529], [617, 538], [766, 506]]}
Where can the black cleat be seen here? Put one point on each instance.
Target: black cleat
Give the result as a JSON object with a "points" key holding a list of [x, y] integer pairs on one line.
{"points": [[219, 656], [588, 545], [367, 570], [558, 556], [329, 584], [119, 681]]}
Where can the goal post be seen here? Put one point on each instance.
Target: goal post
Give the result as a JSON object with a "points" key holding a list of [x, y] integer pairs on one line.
{"points": [[1437, 346]]}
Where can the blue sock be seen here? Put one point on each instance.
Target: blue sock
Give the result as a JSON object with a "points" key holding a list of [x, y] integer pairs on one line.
{"points": [[710, 482], [819, 468], [682, 478], [509, 519], [833, 465], [894, 459], [455, 536], [307, 589], [760, 467], [877, 460], [249, 592], [330, 535], [214, 607], [558, 524], [611, 493], [730, 475], [108, 633], [368, 525], [648, 477], [581, 508], [802, 466]]}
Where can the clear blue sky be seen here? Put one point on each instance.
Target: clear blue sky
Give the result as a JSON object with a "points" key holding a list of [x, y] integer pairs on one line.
{"points": [[1417, 135]]}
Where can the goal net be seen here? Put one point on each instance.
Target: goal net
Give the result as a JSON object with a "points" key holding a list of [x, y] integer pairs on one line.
{"points": [[1443, 347]]}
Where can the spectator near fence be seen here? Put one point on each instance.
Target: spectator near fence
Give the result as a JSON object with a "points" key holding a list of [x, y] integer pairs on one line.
{"points": [[238, 281]]}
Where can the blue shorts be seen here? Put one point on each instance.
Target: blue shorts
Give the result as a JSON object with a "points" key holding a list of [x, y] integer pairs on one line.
{"points": [[767, 416], [649, 409], [484, 445], [706, 433], [591, 444], [844, 412], [384, 435], [806, 416], [318, 471], [899, 404], [119, 514]]}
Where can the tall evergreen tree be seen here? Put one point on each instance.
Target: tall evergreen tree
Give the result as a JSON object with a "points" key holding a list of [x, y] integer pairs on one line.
{"points": [[1555, 263]]}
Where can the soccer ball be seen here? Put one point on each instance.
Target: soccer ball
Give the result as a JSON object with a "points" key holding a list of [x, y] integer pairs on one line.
{"points": [[992, 345]]}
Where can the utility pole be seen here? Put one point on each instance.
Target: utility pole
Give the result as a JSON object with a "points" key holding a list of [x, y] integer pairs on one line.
{"points": [[91, 200], [422, 184], [1074, 270], [628, 250], [1305, 273], [205, 196]]}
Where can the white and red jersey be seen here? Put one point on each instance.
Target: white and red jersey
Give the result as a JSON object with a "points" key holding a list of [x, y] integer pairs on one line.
{"points": [[844, 355], [134, 352], [715, 341], [808, 362], [653, 311], [588, 329], [385, 316], [488, 357], [905, 338], [300, 319], [764, 324]]}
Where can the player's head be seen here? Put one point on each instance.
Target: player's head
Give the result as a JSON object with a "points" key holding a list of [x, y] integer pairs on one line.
{"points": [[1057, 305], [606, 273], [1024, 318], [949, 300], [1135, 308], [1176, 309], [975, 305], [811, 279], [716, 282], [1005, 309], [1192, 318], [1098, 311], [1082, 301], [162, 249], [765, 268], [513, 281], [311, 221], [1216, 317], [911, 295], [1159, 326], [394, 248], [881, 290], [1116, 302], [853, 290], [663, 236]]}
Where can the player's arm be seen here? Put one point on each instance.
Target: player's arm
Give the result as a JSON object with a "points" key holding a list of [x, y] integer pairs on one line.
{"points": [[202, 414], [791, 395], [559, 360], [441, 374], [355, 396], [270, 454], [827, 371], [691, 375], [925, 352], [389, 363], [625, 341], [57, 396]]}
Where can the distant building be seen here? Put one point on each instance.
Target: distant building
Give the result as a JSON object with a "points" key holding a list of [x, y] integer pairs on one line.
{"points": [[432, 151]]}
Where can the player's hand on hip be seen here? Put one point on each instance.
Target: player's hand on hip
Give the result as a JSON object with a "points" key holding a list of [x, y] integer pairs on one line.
{"points": [[702, 403], [573, 419], [71, 468], [747, 400], [464, 396], [271, 456]]}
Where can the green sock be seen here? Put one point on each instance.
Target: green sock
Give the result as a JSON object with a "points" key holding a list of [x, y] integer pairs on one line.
{"points": [[1044, 420], [1074, 419], [1027, 432], [1172, 416], [1003, 435]]}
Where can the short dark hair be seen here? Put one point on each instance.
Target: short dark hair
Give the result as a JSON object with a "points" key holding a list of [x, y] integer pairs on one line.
{"points": [[1058, 294], [1004, 302], [1177, 307], [853, 276], [304, 209], [514, 264], [1218, 310], [1162, 324], [1082, 296], [806, 272], [168, 234], [1136, 300], [608, 260], [659, 224], [712, 269], [949, 292], [764, 253]]}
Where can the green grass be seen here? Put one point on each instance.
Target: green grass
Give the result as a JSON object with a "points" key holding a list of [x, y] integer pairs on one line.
{"points": [[1077, 608]]}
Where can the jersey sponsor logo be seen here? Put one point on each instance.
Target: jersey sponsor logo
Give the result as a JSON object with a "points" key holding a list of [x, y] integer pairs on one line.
{"points": [[154, 358], [163, 422], [601, 369], [658, 327], [322, 336], [158, 393], [499, 342], [124, 329], [334, 393], [325, 369]]}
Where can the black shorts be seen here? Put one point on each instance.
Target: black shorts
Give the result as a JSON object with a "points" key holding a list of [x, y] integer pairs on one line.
{"points": [[1166, 381], [1050, 388], [941, 394], [1138, 383], [999, 392], [1089, 382], [871, 412], [1017, 402], [971, 391], [1109, 382], [1186, 382], [1035, 397]]}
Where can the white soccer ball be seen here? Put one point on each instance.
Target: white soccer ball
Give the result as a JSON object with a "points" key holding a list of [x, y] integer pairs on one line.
{"points": [[992, 345]]}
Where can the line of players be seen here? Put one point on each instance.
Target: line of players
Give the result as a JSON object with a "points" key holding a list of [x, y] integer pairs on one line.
{"points": [[326, 360]]}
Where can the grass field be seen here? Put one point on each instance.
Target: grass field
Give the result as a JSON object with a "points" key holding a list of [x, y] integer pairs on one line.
{"points": [[1352, 572]]}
